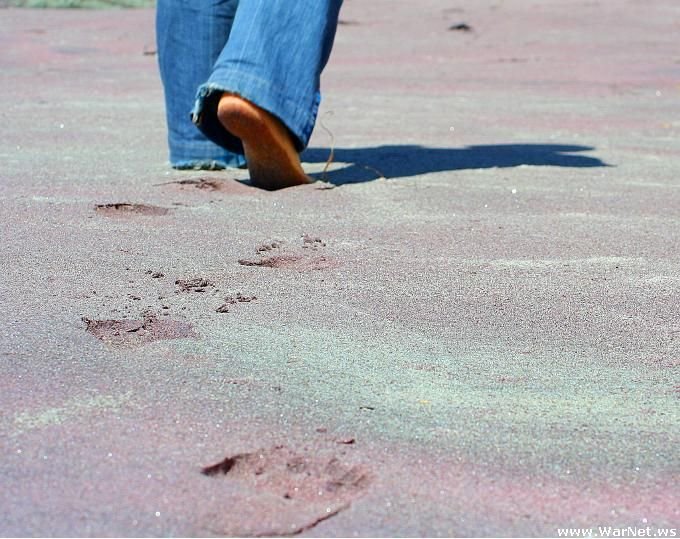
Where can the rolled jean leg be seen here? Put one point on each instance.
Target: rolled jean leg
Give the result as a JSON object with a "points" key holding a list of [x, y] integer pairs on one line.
{"points": [[191, 35], [274, 58]]}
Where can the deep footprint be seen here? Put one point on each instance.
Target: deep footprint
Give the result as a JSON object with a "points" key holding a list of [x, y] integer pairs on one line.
{"points": [[124, 208], [138, 332]]}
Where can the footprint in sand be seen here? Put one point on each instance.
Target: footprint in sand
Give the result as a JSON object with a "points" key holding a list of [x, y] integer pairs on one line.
{"points": [[311, 487], [125, 209], [294, 262], [312, 242], [198, 284], [269, 246], [211, 184], [234, 300], [138, 332], [299, 261]]}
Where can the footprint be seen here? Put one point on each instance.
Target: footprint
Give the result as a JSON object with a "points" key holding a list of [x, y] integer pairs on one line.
{"points": [[138, 332], [300, 261], [233, 300], [198, 284], [126, 209], [294, 262], [211, 184], [312, 487], [312, 242], [275, 261], [269, 246]]}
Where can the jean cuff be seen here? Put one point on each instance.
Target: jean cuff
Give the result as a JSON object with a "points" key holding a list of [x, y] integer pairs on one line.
{"points": [[203, 155], [297, 118]]}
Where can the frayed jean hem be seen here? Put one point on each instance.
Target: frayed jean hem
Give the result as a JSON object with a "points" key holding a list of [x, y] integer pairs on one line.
{"points": [[202, 155], [204, 164], [298, 119]]}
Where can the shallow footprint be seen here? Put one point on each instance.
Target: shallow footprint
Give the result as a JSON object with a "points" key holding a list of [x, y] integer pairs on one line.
{"points": [[126, 209], [138, 332], [311, 488]]}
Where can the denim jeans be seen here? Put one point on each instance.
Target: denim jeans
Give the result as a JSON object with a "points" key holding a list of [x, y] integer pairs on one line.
{"points": [[270, 52]]}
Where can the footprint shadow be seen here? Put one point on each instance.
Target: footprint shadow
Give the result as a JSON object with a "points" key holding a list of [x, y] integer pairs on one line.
{"points": [[403, 161]]}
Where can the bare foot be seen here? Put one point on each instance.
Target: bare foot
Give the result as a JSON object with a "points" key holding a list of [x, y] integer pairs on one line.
{"points": [[273, 162]]}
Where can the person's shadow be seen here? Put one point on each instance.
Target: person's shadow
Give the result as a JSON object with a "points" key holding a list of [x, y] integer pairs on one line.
{"points": [[393, 162]]}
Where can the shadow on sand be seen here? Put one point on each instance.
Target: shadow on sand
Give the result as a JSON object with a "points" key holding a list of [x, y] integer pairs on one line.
{"points": [[393, 162]]}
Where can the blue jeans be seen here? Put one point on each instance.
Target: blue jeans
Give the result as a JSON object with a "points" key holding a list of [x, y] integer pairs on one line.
{"points": [[270, 52]]}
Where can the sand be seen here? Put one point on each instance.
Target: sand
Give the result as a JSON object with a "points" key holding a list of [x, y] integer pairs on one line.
{"points": [[470, 327]]}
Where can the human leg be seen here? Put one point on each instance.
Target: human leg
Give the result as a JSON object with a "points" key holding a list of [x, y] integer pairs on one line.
{"points": [[190, 36], [273, 61]]}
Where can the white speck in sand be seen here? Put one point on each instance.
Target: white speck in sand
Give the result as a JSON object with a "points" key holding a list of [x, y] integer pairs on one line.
{"points": [[110, 455], [158, 513], [328, 509], [452, 128], [61, 126], [148, 476], [18, 451], [514, 191], [658, 93], [644, 521]]}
